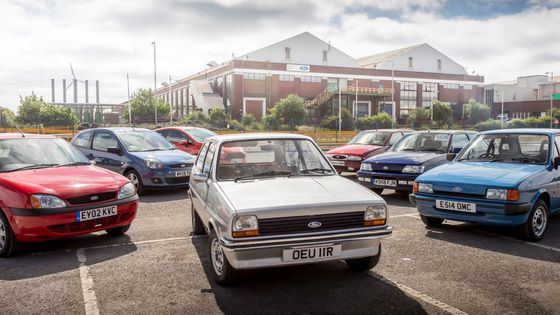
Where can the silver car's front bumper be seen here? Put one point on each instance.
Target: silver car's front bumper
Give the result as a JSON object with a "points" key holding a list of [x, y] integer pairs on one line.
{"points": [[268, 253]]}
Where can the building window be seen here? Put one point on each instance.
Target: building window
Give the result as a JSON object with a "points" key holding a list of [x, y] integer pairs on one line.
{"points": [[285, 77], [429, 93], [325, 52], [467, 87], [253, 76], [410, 62], [450, 86], [439, 64], [287, 53], [310, 79], [408, 98]]}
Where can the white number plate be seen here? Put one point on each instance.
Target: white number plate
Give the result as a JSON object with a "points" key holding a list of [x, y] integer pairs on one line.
{"points": [[385, 182], [181, 174], [91, 214], [456, 206], [311, 253], [338, 163]]}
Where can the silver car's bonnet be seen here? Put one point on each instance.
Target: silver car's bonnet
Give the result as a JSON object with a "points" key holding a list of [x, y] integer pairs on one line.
{"points": [[296, 192]]}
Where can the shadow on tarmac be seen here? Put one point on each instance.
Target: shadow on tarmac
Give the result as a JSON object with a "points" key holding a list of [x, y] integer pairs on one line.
{"points": [[325, 288], [163, 195]]}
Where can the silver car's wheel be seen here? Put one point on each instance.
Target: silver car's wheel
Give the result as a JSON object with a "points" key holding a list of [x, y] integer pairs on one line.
{"points": [[539, 221], [221, 269], [217, 257]]}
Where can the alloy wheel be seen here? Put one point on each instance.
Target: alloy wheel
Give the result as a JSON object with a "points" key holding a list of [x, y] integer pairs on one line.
{"points": [[539, 221], [2, 235], [134, 180]]}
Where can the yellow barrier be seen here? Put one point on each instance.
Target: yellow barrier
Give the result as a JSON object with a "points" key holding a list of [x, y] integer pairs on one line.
{"points": [[319, 136]]}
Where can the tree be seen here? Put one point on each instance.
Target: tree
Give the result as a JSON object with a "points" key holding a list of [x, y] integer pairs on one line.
{"points": [[218, 118], [29, 110], [419, 117], [477, 112], [34, 110], [7, 117], [331, 122], [143, 104], [443, 114], [290, 110]]}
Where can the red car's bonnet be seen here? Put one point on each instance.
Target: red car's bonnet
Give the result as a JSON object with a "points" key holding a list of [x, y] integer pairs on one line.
{"points": [[355, 149]]}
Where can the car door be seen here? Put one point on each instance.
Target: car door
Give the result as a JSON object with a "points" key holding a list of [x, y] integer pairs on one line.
{"points": [[106, 151], [198, 188], [207, 185], [458, 142], [83, 142], [555, 187]]}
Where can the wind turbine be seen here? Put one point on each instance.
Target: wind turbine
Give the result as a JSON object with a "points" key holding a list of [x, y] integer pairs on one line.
{"points": [[74, 77]]}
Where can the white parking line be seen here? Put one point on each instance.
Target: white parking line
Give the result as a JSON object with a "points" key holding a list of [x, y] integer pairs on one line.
{"points": [[556, 249], [415, 294], [90, 300], [412, 215]]}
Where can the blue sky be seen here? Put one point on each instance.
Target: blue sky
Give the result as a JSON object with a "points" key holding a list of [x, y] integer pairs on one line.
{"points": [[104, 39]]}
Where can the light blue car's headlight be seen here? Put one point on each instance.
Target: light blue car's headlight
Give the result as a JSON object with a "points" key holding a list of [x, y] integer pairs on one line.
{"points": [[413, 169], [366, 167], [497, 194], [126, 191]]}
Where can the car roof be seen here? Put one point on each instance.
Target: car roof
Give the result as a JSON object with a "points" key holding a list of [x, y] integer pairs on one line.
{"points": [[444, 131], [532, 131], [257, 136], [117, 129], [385, 130], [183, 128], [16, 135]]}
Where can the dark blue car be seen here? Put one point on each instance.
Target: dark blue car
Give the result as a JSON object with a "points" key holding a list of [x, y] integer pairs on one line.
{"points": [[413, 155], [142, 155], [503, 177]]}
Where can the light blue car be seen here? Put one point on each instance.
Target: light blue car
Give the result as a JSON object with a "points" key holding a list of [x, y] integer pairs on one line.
{"points": [[503, 177], [142, 155]]}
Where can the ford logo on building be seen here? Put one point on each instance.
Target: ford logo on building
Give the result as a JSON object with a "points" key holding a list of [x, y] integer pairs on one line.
{"points": [[457, 189], [304, 68], [314, 224]]}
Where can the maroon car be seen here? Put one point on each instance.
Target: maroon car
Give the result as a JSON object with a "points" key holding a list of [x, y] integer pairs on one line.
{"points": [[364, 145]]}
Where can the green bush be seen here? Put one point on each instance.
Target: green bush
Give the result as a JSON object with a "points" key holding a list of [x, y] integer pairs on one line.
{"points": [[290, 110], [517, 123], [218, 118], [419, 117], [248, 120], [270, 122], [330, 122], [379, 121], [235, 125], [491, 124]]}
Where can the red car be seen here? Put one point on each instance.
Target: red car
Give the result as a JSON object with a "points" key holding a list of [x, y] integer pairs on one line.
{"points": [[50, 190], [188, 139], [364, 145]]}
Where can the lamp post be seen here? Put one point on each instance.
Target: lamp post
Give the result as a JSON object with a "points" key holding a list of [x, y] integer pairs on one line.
{"points": [[393, 107], [168, 84], [155, 82], [502, 119], [552, 91]]}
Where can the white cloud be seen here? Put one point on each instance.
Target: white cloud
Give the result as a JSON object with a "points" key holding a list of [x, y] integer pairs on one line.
{"points": [[106, 39]]}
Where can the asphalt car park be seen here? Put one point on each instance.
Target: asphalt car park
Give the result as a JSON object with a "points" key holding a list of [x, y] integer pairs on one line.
{"points": [[159, 267]]}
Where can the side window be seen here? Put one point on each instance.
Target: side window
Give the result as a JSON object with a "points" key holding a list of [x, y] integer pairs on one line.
{"points": [[395, 138], [83, 140], [207, 168], [556, 147], [200, 158], [163, 133], [102, 140], [175, 136], [460, 140]]}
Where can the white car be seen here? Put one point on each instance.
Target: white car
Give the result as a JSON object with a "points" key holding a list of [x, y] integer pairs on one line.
{"points": [[275, 200]]}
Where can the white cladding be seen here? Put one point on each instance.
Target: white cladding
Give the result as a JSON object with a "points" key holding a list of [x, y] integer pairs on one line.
{"points": [[302, 49], [419, 58]]}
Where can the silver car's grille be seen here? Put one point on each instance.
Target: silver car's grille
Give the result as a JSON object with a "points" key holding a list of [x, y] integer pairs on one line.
{"points": [[308, 224]]}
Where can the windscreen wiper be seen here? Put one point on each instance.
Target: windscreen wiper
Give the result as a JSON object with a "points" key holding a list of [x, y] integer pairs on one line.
{"points": [[73, 164], [33, 166], [263, 174], [315, 170]]}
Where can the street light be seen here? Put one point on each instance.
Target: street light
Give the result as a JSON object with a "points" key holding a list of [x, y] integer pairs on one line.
{"points": [[155, 82], [552, 91], [168, 84]]}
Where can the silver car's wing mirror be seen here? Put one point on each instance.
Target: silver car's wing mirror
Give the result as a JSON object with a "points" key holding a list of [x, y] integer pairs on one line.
{"points": [[200, 177]]}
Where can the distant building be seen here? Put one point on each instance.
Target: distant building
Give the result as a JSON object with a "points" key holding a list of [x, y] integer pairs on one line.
{"points": [[524, 97], [316, 71]]}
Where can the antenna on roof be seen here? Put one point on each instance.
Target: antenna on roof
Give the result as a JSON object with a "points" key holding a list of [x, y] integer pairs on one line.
{"points": [[22, 134]]}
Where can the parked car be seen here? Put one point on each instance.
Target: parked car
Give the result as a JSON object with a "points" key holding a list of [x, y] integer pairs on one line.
{"points": [[142, 155], [188, 139], [49, 190], [364, 145], [414, 154], [503, 177], [282, 204]]}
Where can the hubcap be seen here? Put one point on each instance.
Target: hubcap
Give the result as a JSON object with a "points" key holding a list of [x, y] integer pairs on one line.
{"points": [[134, 180], [539, 221], [2, 235], [217, 257]]}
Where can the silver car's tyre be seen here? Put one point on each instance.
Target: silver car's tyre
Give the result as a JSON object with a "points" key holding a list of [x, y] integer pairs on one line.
{"points": [[533, 230], [197, 226], [136, 180], [222, 271], [8, 242], [363, 264]]}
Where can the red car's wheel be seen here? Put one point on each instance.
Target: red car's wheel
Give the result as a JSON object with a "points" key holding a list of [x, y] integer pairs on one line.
{"points": [[8, 242]]}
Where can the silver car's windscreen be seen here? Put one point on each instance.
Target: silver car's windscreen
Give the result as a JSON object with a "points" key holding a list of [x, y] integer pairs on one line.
{"points": [[270, 157], [509, 148]]}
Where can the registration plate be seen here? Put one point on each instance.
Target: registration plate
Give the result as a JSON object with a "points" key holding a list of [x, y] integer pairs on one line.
{"points": [[456, 206], [311, 253], [385, 182], [338, 163], [91, 214], [181, 174]]}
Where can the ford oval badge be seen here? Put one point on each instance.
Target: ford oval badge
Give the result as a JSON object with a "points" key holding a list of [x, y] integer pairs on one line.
{"points": [[93, 198], [457, 189], [385, 167], [314, 224]]}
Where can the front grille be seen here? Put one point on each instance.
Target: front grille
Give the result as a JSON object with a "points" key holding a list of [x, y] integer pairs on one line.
{"points": [[90, 225], [88, 198], [176, 180], [387, 168], [339, 157], [454, 194], [296, 225], [181, 165]]}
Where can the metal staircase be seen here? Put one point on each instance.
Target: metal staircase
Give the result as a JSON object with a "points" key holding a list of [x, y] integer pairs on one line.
{"points": [[327, 93]]}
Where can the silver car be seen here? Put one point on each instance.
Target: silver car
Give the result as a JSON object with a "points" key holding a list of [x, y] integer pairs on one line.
{"points": [[274, 200]]}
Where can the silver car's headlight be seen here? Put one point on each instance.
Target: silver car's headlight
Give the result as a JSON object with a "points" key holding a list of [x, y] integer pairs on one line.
{"points": [[366, 167], [497, 194], [353, 158], [375, 215], [413, 169], [153, 163], [126, 191], [39, 201], [245, 225]]}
